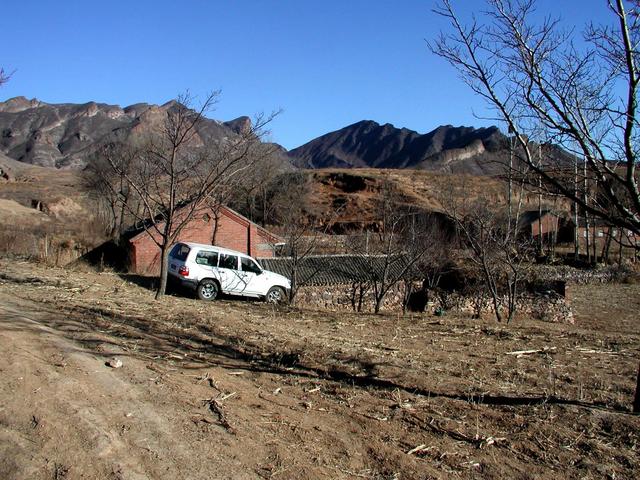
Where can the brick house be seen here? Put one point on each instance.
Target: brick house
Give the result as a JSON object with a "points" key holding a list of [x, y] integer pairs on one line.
{"points": [[531, 224], [603, 236], [223, 227]]}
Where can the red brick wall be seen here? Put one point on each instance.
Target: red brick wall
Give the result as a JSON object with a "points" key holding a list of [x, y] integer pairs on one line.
{"points": [[549, 225], [232, 232], [244, 238], [145, 254], [262, 246]]}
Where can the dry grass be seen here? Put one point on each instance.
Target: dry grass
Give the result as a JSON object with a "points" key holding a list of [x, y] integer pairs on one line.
{"points": [[347, 395]]}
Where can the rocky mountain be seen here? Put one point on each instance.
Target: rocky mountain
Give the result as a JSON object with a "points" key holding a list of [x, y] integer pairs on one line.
{"points": [[65, 135], [369, 144]]}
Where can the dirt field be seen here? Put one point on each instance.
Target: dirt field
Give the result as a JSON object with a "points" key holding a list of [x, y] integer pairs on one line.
{"points": [[234, 389]]}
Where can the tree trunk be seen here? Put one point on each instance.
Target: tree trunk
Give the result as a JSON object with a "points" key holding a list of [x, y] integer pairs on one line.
{"points": [[636, 398], [540, 238], [408, 291], [576, 219], [361, 293], [294, 282], [607, 246], [164, 266], [379, 301], [586, 214], [354, 290], [496, 306], [595, 243], [493, 290], [513, 291], [620, 248]]}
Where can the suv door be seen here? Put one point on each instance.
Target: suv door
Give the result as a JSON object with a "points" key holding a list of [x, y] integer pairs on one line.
{"points": [[230, 278], [250, 274]]}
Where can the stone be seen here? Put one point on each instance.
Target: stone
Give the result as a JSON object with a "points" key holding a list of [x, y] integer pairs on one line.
{"points": [[114, 363]]}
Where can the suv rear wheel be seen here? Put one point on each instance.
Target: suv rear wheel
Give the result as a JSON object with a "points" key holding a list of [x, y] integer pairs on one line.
{"points": [[207, 290]]}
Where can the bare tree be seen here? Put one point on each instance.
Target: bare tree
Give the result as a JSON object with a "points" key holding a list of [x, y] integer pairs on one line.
{"points": [[546, 89], [492, 244], [4, 77], [500, 257], [289, 209], [254, 191], [114, 196], [301, 226], [388, 256], [428, 240], [174, 175], [550, 92]]}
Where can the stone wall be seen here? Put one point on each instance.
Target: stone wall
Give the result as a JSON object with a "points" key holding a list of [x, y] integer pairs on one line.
{"points": [[572, 275], [339, 298], [551, 301], [550, 307]]}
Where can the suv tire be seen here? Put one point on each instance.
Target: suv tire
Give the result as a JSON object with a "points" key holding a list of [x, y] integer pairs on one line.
{"points": [[276, 296], [207, 289]]}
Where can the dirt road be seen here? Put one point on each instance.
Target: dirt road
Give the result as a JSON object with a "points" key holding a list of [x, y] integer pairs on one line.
{"points": [[239, 390]]}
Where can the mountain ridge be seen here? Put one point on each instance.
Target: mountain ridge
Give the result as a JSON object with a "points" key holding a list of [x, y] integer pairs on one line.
{"points": [[367, 144], [65, 135]]}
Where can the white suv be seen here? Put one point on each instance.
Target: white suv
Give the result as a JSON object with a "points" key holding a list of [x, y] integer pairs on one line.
{"points": [[209, 270]]}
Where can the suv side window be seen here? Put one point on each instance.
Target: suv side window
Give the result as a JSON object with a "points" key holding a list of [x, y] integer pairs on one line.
{"points": [[180, 252], [249, 265], [209, 259], [228, 261]]}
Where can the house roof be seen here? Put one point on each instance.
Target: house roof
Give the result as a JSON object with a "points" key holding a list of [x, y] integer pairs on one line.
{"points": [[335, 269], [138, 231], [529, 217], [224, 210]]}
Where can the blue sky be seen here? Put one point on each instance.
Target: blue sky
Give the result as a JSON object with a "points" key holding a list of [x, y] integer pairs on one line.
{"points": [[327, 63]]}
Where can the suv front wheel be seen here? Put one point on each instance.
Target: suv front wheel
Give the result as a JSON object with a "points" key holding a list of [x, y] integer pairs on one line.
{"points": [[275, 295], [207, 290]]}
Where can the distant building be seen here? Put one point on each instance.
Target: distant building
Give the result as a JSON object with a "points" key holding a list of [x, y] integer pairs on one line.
{"points": [[532, 224], [600, 231], [223, 227]]}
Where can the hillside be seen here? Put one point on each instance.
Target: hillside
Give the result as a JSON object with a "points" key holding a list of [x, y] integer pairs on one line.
{"points": [[66, 135], [351, 197], [369, 144]]}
